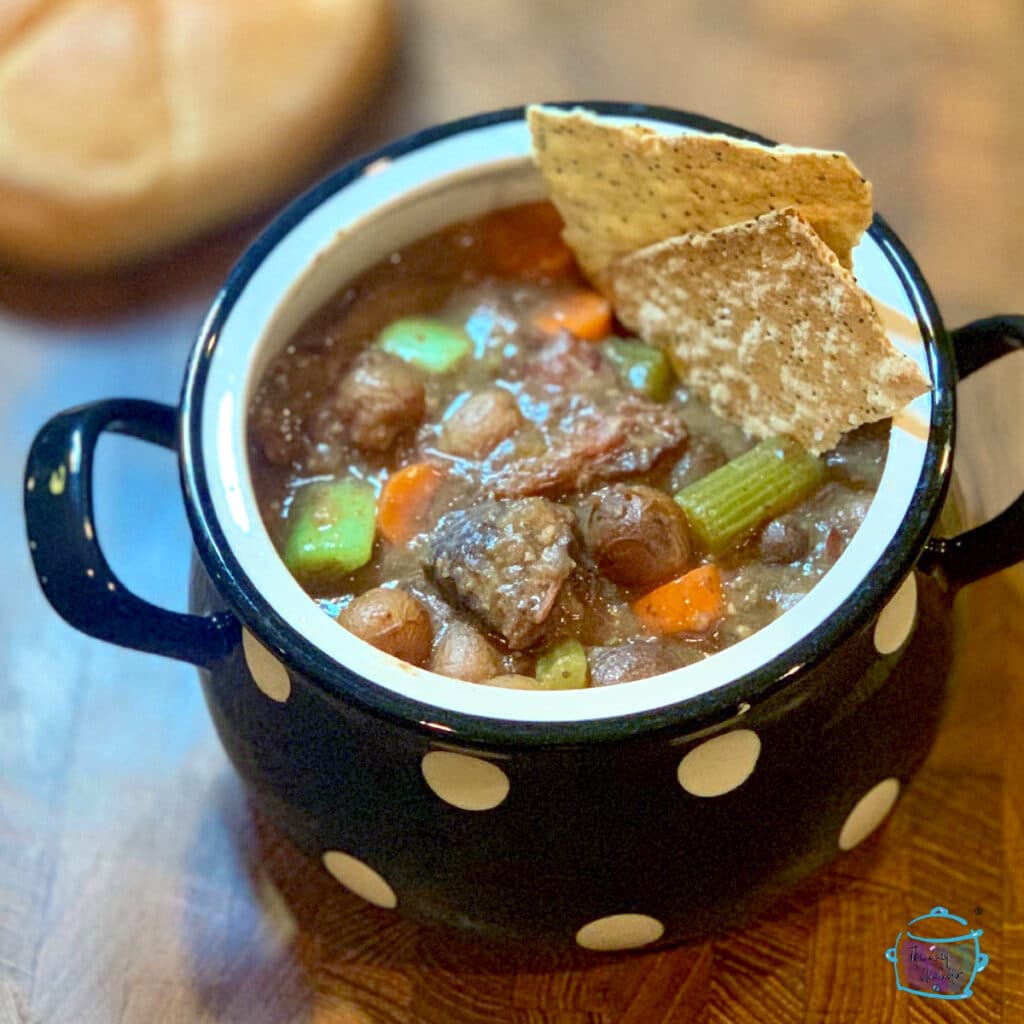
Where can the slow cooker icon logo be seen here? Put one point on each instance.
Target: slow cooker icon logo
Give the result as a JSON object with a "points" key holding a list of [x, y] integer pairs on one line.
{"points": [[938, 956]]}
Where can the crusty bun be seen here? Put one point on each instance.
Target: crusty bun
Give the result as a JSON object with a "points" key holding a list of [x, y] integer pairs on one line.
{"points": [[128, 125]]}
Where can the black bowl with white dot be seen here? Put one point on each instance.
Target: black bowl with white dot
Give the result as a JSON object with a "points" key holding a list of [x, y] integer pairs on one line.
{"points": [[613, 818], [663, 838]]}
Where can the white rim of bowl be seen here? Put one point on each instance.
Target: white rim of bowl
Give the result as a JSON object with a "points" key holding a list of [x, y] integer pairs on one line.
{"points": [[278, 291]]}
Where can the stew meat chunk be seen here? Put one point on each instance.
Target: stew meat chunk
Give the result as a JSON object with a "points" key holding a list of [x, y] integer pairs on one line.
{"points": [[504, 561]]}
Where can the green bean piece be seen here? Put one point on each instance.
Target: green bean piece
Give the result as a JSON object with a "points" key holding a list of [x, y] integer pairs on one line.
{"points": [[333, 530], [643, 368], [429, 344], [730, 502], [562, 667]]}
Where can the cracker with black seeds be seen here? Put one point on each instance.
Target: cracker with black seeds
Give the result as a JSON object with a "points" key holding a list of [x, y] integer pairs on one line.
{"points": [[762, 323], [622, 187]]}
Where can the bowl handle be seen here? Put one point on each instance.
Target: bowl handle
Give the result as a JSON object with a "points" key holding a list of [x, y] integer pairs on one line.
{"points": [[999, 543], [66, 553]]}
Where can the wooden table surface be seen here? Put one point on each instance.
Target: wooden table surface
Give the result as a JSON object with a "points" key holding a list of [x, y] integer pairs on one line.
{"points": [[136, 884]]}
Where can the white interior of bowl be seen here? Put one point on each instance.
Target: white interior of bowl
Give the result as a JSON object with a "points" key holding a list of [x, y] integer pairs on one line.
{"points": [[395, 202]]}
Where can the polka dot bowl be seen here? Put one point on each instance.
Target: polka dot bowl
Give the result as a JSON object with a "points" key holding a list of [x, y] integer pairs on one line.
{"points": [[650, 812]]}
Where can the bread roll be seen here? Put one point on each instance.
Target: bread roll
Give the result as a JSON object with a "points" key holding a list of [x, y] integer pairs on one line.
{"points": [[128, 125]]}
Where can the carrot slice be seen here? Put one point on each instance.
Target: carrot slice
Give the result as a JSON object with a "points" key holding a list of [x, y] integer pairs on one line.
{"points": [[405, 500], [527, 241], [582, 313], [692, 603]]}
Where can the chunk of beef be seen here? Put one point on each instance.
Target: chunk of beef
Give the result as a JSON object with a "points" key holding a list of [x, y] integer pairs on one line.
{"points": [[504, 561], [378, 399], [590, 440]]}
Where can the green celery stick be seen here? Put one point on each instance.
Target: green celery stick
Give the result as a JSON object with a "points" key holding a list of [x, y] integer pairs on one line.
{"points": [[333, 529], [562, 667], [643, 368], [732, 501], [429, 344]]}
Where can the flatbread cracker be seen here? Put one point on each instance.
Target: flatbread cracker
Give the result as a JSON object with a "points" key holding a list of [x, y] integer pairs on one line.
{"points": [[761, 321], [620, 188]]}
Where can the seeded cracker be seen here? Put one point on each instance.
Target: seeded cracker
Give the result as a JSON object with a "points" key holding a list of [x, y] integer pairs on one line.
{"points": [[622, 187], [763, 323]]}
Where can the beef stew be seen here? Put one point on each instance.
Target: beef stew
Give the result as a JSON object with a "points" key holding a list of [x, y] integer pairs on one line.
{"points": [[464, 459]]}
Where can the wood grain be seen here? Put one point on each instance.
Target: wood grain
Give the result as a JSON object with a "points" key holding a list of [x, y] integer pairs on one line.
{"points": [[137, 885]]}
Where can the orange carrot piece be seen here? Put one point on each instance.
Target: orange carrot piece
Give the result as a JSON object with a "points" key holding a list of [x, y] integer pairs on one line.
{"points": [[691, 603], [527, 241], [582, 313], [405, 499]]}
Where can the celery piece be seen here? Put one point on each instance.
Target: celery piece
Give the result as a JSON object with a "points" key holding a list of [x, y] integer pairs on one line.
{"points": [[643, 368], [733, 500], [562, 667], [333, 529], [429, 344]]}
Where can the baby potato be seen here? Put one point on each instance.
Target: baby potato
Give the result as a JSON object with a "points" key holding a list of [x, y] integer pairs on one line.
{"points": [[393, 621], [637, 535]]}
